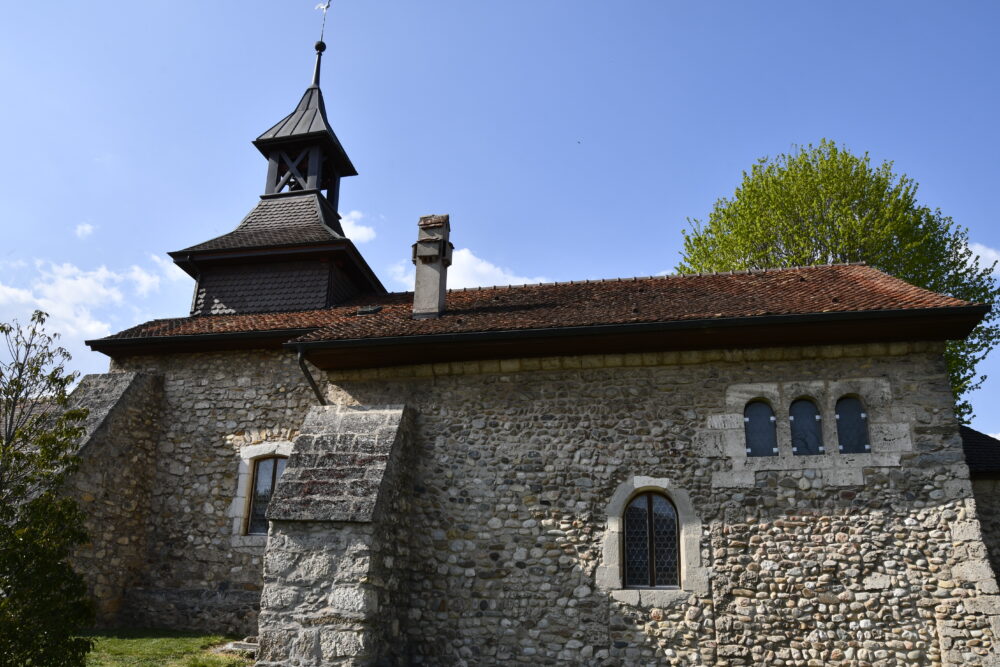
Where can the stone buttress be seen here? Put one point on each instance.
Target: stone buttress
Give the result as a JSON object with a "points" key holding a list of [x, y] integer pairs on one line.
{"points": [[329, 583], [113, 482]]}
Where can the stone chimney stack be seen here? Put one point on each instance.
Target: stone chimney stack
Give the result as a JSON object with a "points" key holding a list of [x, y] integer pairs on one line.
{"points": [[432, 256]]}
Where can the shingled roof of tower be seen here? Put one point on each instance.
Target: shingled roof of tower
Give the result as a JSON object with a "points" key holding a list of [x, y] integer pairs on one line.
{"points": [[302, 219], [819, 290]]}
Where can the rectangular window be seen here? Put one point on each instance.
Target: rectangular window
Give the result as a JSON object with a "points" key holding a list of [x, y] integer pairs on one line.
{"points": [[265, 476]]}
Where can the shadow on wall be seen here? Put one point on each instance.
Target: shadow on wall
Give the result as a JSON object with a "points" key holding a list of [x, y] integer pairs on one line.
{"points": [[986, 490]]}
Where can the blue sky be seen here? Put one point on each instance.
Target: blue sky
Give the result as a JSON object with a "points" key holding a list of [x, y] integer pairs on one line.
{"points": [[568, 139]]}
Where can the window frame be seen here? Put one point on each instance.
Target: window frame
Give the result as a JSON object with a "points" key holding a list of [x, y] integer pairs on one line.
{"points": [[863, 414], [651, 543], [694, 573], [252, 490], [773, 420], [818, 419]]}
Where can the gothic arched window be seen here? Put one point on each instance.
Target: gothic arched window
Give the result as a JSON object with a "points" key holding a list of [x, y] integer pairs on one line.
{"points": [[807, 435], [652, 559], [759, 425], [266, 472], [852, 426]]}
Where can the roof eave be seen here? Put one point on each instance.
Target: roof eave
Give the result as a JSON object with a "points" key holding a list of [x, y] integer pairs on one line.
{"points": [[263, 251], [932, 324], [274, 338], [344, 165]]}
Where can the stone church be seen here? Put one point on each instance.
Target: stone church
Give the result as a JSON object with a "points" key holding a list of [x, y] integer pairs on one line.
{"points": [[756, 468]]}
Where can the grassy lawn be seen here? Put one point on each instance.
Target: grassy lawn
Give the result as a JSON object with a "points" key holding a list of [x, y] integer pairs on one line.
{"points": [[159, 648]]}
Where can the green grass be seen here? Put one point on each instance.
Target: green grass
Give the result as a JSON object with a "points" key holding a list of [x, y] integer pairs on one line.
{"points": [[159, 648]]}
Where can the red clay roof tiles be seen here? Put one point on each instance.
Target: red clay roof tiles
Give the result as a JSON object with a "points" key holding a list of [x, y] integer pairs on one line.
{"points": [[797, 291]]}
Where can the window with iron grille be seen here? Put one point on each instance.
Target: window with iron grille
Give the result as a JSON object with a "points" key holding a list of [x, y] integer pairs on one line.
{"points": [[852, 426], [652, 558], [265, 475], [760, 427], [807, 434]]}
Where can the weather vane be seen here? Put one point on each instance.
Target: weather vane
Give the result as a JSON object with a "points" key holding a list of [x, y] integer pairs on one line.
{"points": [[324, 7]]}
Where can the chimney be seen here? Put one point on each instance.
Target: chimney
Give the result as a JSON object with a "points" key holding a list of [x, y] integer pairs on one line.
{"points": [[432, 255]]}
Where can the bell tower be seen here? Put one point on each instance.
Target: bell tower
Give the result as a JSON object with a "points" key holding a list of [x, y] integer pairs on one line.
{"points": [[290, 252], [302, 151]]}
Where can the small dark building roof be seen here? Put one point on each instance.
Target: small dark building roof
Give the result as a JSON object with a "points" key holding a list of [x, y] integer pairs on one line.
{"points": [[308, 123], [982, 452], [810, 305], [278, 221]]}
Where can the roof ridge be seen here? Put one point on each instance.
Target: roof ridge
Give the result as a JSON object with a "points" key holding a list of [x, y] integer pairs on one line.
{"points": [[663, 275]]}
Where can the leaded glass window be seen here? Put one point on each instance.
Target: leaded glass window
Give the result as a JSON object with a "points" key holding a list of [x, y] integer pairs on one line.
{"points": [[652, 559], [807, 435], [265, 475], [852, 426], [760, 425]]}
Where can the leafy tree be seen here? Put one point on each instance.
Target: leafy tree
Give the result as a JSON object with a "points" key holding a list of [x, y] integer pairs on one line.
{"points": [[822, 204], [43, 602]]}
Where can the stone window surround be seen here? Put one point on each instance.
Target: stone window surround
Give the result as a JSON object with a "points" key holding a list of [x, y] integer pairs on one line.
{"points": [[767, 400], [889, 431], [694, 576], [239, 510]]}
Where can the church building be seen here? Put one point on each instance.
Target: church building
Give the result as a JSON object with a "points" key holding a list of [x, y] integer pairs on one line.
{"points": [[749, 468]]}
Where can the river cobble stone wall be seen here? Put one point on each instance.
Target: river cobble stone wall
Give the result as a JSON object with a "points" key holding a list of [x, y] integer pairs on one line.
{"points": [[835, 559], [199, 574], [987, 494]]}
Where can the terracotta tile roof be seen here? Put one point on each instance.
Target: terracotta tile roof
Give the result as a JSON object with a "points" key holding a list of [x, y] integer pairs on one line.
{"points": [[280, 221], [798, 291]]}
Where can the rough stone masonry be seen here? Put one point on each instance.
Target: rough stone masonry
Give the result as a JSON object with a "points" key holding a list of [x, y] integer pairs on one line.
{"points": [[471, 527]]}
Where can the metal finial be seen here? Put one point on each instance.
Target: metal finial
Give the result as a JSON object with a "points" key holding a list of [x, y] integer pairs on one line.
{"points": [[320, 45], [320, 48]]}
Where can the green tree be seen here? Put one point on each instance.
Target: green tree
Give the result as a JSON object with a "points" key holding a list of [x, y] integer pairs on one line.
{"points": [[43, 603], [822, 204]]}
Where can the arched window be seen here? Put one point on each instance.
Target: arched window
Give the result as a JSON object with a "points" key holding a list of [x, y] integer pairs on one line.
{"points": [[807, 436], [760, 425], [651, 554], [852, 426], [266, 472]]}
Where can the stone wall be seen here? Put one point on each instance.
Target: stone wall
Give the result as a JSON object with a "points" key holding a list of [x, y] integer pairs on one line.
{"points": [[200, 573], [822, 560], [987, 493], [113, 482]]}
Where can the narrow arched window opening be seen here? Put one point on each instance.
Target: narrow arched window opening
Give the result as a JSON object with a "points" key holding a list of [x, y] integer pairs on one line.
{"points": [[760, 427], [266, 472], [852, 426], [807, 434], [651, 559]]}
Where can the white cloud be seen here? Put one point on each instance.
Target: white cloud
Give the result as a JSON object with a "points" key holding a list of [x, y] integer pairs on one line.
{"points": [[168, 269], [12, 295], [994, 435], [402, 274], [70, 295], [84, 229], [987, 255], [81, 303], [467, 270], [87, 303], [145, 282], [353, 228]]}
